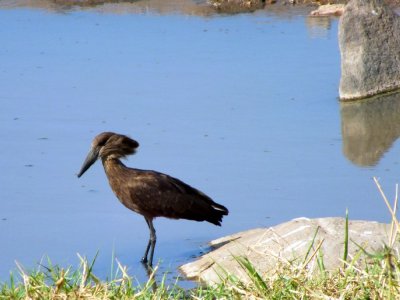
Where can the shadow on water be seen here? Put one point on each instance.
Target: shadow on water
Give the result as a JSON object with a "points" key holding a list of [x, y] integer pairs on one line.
{"points": [[370, 127]]}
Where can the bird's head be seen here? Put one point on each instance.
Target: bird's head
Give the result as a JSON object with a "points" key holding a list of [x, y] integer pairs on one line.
{"points": [[108, 145]]}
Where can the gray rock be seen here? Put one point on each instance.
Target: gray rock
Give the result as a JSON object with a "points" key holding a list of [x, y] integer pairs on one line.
{"points": [[265, 247], [369, 41]]}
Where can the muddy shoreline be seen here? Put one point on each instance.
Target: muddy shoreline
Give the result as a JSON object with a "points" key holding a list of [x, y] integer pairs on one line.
{"points": [[188, 7]]}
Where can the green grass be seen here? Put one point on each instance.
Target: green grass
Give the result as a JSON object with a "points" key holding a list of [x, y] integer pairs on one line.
{"points": [[377, 278]]}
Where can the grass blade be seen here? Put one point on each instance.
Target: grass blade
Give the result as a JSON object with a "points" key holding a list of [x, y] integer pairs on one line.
{"points": [[346, 239], [251, 271]]}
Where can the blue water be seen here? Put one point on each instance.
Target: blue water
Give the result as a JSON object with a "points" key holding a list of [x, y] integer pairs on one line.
{"points": [[242, 107]]}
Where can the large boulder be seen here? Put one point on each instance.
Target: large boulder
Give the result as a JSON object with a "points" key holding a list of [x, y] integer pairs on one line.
{"points": [[266, 247], [369, 41]]}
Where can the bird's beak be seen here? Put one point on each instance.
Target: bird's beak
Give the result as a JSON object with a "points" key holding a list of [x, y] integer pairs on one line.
{"points": [[90, 160]]}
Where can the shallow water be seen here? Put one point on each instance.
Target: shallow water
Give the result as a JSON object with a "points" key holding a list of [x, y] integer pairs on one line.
{"points": [[242, 107]]}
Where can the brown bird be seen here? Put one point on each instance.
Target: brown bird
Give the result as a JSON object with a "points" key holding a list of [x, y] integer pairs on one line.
{"points": [[149, 193]]}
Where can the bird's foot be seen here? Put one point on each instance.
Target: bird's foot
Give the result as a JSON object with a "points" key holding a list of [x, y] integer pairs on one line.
{"points": [[146, 263], [147, 266]]}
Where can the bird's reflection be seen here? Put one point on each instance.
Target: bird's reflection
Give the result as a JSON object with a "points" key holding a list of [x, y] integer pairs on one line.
{"points": [[151, 276], [370, 127]]}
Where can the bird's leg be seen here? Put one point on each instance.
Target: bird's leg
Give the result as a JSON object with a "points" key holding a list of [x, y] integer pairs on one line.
{"points": [[153, 239], [144, 258], [151, 244]]}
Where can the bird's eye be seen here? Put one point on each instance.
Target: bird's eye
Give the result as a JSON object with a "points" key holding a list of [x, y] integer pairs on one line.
{"points": [[102, 142]]}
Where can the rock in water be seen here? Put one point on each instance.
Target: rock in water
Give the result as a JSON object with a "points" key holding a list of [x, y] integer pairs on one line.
{"points": [[328, 10], [369, 41]]}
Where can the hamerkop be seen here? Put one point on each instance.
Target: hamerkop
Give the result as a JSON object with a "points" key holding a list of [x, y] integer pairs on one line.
{"points": [[149, 193]]}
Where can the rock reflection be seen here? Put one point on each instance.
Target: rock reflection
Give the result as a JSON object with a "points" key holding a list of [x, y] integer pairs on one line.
{"points": [[318, 27], [369, 128]]}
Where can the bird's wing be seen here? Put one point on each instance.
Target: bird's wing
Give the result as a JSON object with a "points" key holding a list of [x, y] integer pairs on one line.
{"points": [[162, 195]]}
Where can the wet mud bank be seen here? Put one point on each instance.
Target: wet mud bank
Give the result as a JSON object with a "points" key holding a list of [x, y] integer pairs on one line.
{"points": [[189, 7]]}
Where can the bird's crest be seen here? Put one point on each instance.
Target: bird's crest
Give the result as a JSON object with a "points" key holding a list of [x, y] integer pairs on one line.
{"points": [[113, 145]]}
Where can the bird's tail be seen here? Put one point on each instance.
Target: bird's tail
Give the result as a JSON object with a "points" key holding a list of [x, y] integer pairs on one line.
{"points": [[224, 211], [218, 211]]}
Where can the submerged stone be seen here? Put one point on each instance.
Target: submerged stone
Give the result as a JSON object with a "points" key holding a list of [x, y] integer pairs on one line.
{"points": [[369, 41]]}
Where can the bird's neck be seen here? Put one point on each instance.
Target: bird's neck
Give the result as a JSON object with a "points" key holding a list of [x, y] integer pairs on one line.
{"points": [[116, 173], [112, 166]]}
